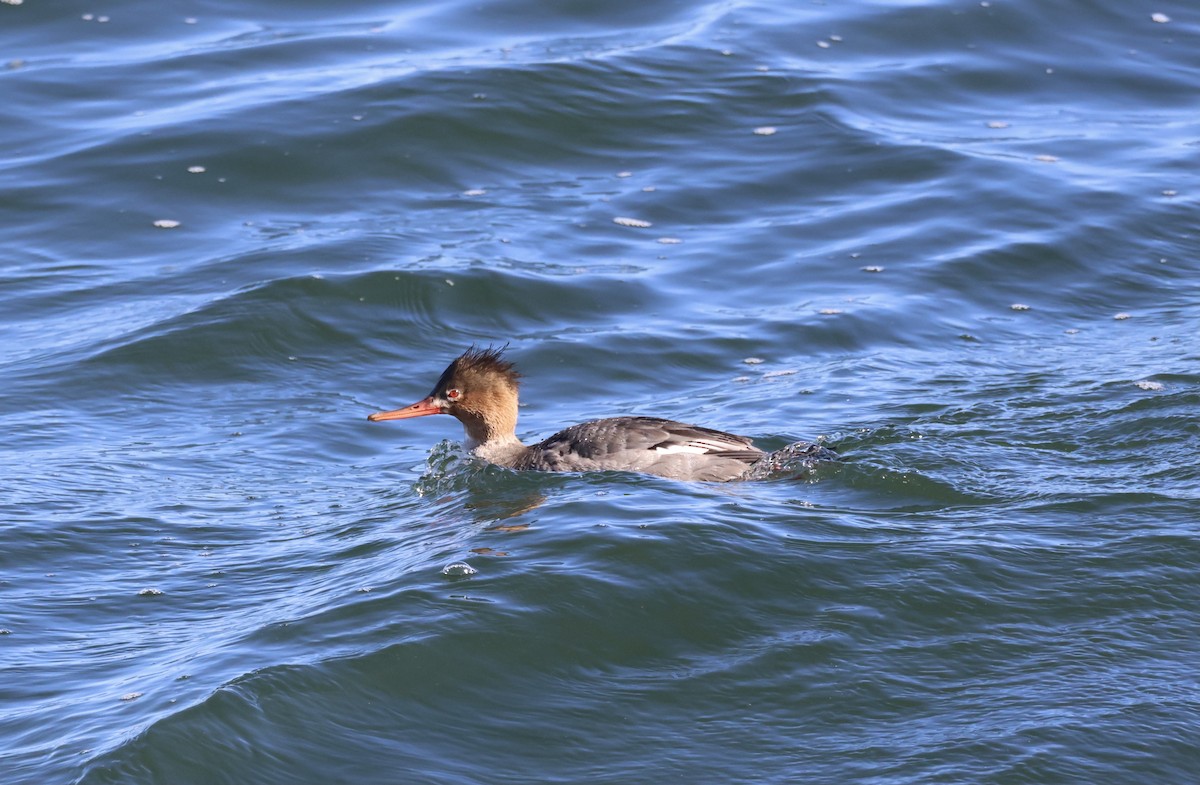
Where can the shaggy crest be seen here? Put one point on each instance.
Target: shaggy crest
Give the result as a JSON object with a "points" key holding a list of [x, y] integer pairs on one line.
{"points": [[481, 361]]}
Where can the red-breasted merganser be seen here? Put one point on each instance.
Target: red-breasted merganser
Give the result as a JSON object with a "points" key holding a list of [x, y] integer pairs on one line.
{"points": [[480, 389]]}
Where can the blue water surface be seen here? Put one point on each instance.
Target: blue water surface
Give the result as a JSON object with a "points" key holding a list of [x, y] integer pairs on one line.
{"points": [[957, 241]]}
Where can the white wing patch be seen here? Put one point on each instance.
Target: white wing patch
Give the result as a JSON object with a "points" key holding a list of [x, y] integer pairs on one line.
{"points": [[694, 447]]}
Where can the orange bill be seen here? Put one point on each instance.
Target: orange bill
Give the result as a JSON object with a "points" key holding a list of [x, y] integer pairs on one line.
{"points": [[419, 409]]}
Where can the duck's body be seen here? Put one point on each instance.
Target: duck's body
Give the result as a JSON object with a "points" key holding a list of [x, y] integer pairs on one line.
{"points": [[480, 389], [642, 444]]}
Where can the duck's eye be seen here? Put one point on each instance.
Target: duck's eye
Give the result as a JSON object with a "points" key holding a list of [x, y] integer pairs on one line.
{"points": [[454, 395]]}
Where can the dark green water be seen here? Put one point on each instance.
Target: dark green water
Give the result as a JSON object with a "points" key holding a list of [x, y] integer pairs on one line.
{"points": [[958, 241]]}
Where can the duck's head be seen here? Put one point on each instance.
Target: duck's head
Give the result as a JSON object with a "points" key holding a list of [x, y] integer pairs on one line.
{"points": [[479, 388]]}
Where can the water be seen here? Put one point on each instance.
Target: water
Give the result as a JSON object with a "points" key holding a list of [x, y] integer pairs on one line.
{"points": [[966, 257]]}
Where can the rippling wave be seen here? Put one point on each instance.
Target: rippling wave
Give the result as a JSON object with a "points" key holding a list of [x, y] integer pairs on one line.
{"points": [[954, 241]]}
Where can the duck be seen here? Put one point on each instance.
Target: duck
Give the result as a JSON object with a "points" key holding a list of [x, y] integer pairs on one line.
{"points": [[480, 388]]}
